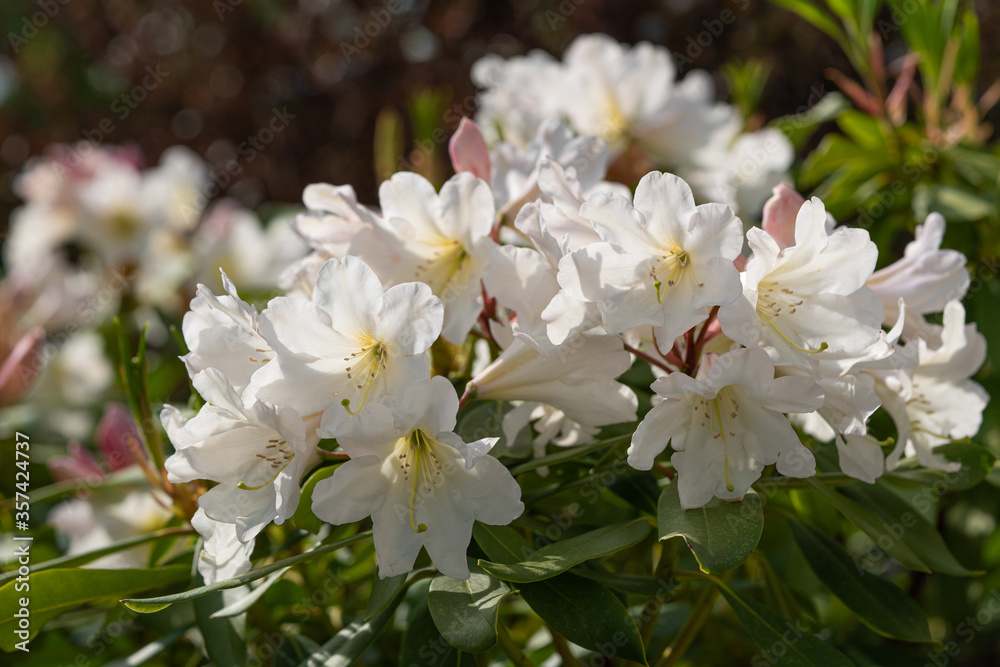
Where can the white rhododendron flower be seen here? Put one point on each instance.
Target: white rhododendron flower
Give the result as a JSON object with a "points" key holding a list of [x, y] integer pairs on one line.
{"points": [[664, 261], [444, 240], [806, 303], [726, 425], [223, 556], [936, 402], [352, 345], [926, 277], [422, 485], [222, 332], [256, 452], [577, 379]]}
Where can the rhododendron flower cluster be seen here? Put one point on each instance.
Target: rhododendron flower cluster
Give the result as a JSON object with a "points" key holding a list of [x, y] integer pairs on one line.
{"points": [[548, 296]]}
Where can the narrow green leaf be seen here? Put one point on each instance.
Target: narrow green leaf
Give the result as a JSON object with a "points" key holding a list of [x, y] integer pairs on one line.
{"points": [[815, 16], [54, 591], [64, 562], [896, 528], [150, 605], [242, 604], [384, 591], [721, 534], [568, 454], [882, 606], [788, 644], [976, 461], [558, 557], [465, 611], [906, 524], [150, 650], [353, 640], [224, 636]]}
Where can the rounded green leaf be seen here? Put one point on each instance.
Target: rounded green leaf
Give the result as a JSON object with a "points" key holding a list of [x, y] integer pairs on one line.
{"points": [[465, 611], [721, 534]]}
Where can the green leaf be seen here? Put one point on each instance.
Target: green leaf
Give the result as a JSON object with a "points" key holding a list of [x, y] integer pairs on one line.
{"points": [[923, 537], [976, 461], [423, 644], [581, 610], [150, 605], [384, 591], [353, 640], [798, 127], [813, 15], [882, 606], [224, 636], [896, 528], [54, 591], [862, 129], [465, 611], [558, 557], [304, 518], [637, 584], [721, 534], [770, 631], [955, 203], [587, 614]]}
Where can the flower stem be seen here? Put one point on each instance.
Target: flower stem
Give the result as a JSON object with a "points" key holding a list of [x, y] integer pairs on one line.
{"points": [[650, 358], [699, 614], [665, 571], [562, 648], [512, 650]]}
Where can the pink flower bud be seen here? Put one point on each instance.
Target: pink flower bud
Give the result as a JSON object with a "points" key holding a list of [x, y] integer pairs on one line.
{"points": [[79, 465], [114, 431], [21, 366], [779, 214], [469, 152]]}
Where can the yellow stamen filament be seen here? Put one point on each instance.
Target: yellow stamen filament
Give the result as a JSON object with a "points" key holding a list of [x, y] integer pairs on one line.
{"points": [[367, 363], [770, 305], [724, 419], [417, 457], [672, 264]]}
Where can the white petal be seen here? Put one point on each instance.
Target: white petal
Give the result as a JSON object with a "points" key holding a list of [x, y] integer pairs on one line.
{"points": [[410, 320]]}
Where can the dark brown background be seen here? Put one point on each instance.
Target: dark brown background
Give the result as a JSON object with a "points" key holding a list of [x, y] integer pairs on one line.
{"points": [[231, 62]]}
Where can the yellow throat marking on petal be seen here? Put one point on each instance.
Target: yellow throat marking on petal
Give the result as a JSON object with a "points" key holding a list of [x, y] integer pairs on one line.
{"points": [[672, 264], [616, 123], [365, 365], [418, 458], [444, 261]]}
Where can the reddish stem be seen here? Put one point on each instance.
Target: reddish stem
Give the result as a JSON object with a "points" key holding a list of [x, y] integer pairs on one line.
{"points": [[651, 359]]}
